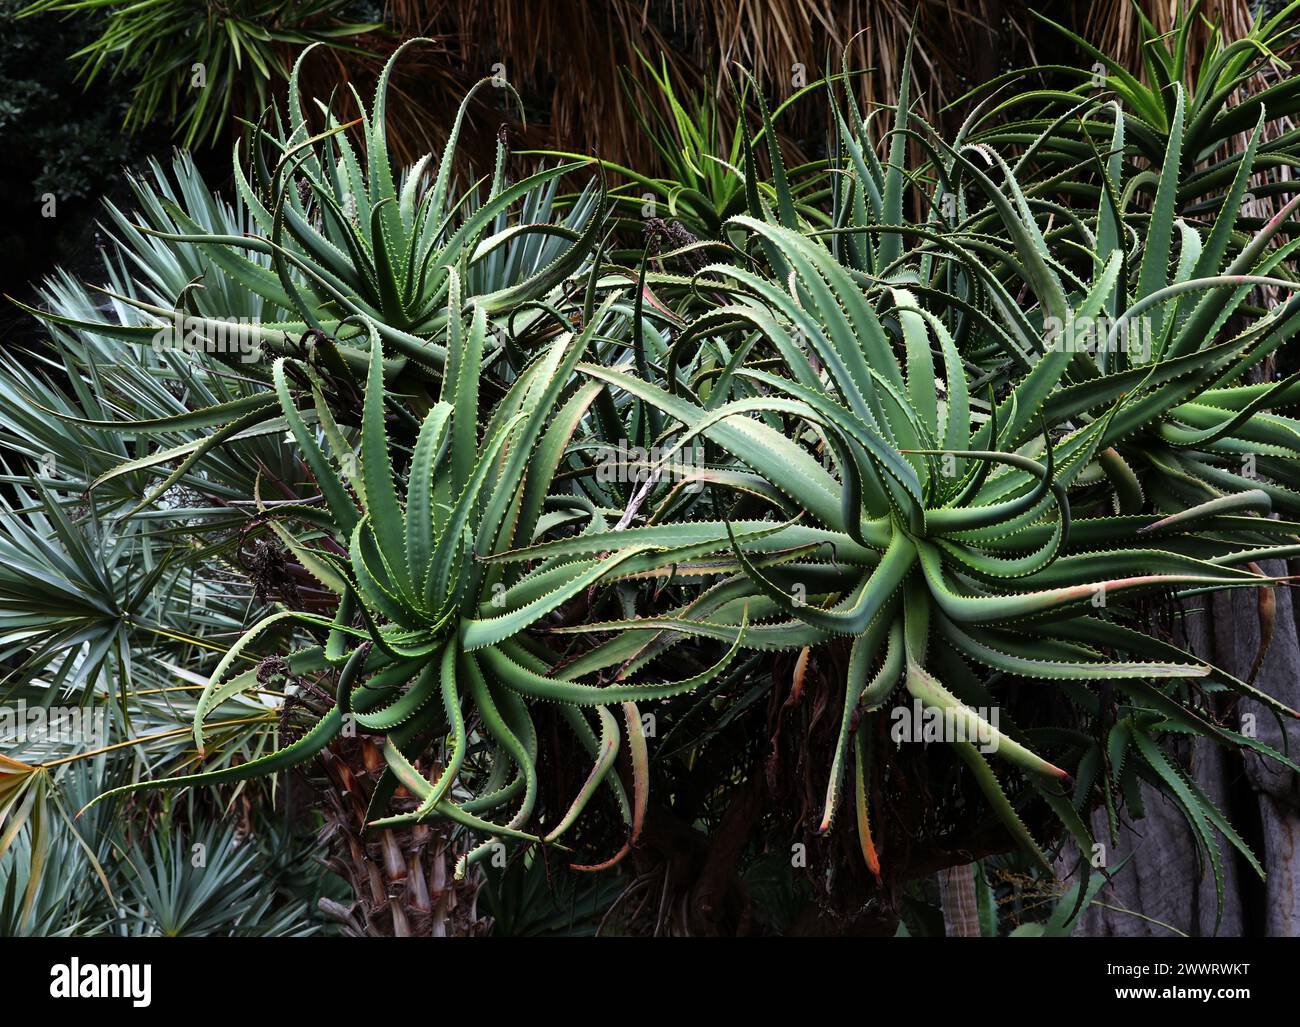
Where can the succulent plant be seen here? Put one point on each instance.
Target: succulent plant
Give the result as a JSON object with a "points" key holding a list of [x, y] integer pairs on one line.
{"points": [[928, 458]]}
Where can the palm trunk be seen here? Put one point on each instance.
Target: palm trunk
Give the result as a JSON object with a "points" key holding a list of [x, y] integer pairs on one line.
{"points": [[401, 879], [957, 898], [1164, 890]]}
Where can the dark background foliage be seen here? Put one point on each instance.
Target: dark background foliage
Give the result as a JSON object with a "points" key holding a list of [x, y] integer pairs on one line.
{"points": [[575, 64]]}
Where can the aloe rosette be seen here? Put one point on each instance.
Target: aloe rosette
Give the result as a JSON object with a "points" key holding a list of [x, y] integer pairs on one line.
{"points": [[953, 524], [430, 636], [906, 459], [329, 240], [973, 563]]}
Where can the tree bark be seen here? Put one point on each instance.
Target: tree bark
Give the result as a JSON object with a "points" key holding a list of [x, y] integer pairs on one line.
{"points": [[1164, 885], [961, 917]]}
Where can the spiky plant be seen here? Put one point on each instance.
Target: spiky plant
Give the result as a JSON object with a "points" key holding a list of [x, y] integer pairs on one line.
{"points": [[948, 523], [323, 239], [241, 53], [1238, 85], [431, 637], [193, 486], [913, 486]]}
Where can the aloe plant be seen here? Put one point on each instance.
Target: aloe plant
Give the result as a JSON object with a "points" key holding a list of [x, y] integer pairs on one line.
{"points": [[907, 466], [1226, 92], [412, 570], [322, 240], [701, 188], [953, 527]]}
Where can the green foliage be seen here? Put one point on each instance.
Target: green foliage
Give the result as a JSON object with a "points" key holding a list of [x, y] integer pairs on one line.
{"points": [[88, 876], [961, 422], [524, 903], [199, 63], [72, 156]]}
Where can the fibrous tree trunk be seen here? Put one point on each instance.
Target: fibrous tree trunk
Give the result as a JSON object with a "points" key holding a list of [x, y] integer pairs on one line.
{"points": [[1165, 888], [961, 917], [402, 879]]}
